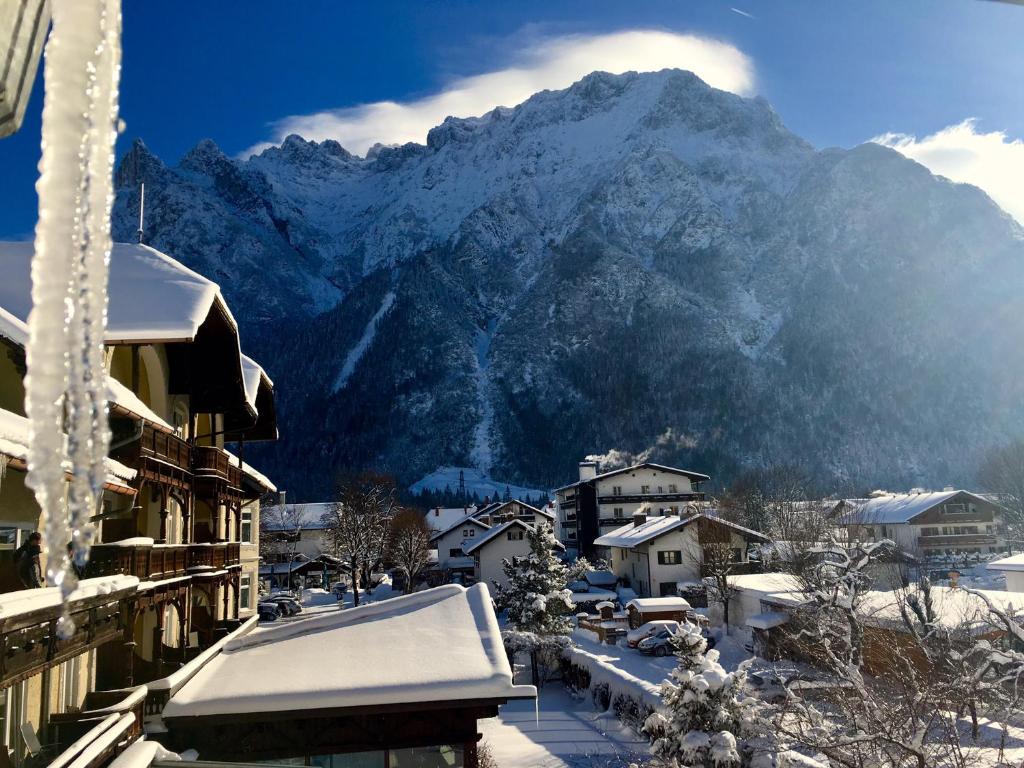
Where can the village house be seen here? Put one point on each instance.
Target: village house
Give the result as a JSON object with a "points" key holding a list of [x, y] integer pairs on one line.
{"points": [[175, 565], [441, 518], [927, 524], [652, 555], [505, 541], [1013, 569], [450, 544], [290, 530], [503, 511], [599, 501]]}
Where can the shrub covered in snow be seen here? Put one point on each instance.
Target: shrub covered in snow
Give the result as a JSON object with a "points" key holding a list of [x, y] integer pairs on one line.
{"points": [[707, 721], [536, 597]]}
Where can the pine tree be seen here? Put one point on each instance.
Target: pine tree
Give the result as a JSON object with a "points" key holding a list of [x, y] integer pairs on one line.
{"points": [[536, 597], [708, 722]]}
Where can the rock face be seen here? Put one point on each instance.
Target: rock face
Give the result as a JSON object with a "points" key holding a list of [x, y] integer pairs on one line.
{"points": [[634, 254]]}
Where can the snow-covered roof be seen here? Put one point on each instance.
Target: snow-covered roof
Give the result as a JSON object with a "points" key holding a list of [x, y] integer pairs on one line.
{"points": [[649, 604], [698, 476], [247, 468], [767, 620], [439, 645], [590, 596], [465, 519], [469, 547], [121, 396], [601, 578], [1012, 563], [893, 508], [27, 600], [252, 375], [442, 518], [152, 296], [766, 583], [14, 441], [953, 606], [631, 535]]}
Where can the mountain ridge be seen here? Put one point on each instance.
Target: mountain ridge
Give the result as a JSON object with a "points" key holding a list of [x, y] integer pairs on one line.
{"points": [[642, 247]]}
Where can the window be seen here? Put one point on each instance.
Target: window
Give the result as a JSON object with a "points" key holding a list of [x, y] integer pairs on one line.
{"points": [[516, 535], [472, 532], [455, 552], [622, 554], [245, 535], [929, 531], [645, 489], [245, 591], [673, 488], [660, 489], [616, 490], [670, 557], [956, 509], [617, 511]]}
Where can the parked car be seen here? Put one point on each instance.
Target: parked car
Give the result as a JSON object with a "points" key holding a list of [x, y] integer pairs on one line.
{"points": [[290, 604], [339, 589], [268, 611], [271, 605], [657, 644], [634, 636]]}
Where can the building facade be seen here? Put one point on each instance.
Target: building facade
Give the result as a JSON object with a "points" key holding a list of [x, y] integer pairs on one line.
{"points": [[600, 502], [175, 563]]}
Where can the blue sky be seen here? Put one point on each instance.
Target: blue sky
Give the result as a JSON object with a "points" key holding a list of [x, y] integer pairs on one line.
{"points": [[838, 74]]}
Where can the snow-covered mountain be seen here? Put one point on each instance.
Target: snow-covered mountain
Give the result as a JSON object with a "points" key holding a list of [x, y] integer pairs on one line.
{"points": [[592, 268]]}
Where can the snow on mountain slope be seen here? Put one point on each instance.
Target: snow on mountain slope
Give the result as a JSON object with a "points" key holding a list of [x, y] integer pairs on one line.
{"points": [[580, 272]]}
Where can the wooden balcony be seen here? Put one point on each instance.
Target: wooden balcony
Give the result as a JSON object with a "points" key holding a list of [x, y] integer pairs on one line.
{"points": [[28, 638], [108, 723], [158, 562], [956, 541], [159, 457], [208, 461]]}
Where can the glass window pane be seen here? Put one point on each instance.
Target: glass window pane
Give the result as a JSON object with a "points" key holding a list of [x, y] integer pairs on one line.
{"points": [[441, 756], [349, 760]]}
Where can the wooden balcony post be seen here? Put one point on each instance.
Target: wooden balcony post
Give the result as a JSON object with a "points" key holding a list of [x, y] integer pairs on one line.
{"points": [[164, 511]]}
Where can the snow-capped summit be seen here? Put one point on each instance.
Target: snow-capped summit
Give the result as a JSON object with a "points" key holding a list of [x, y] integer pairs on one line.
{"points": [[597, 264]]}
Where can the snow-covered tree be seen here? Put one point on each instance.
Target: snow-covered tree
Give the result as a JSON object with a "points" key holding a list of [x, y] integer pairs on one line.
{"points": [[536, 597], [707, 720]]}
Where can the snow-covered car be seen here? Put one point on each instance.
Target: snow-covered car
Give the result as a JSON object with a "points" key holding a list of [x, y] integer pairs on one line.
{"points": [[339, 589], [634, 636], [271, 606], [658, 644]]}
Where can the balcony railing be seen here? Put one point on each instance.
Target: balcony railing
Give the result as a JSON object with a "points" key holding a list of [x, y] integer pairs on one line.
{"points": [[166, 447], [213, 462], [157, 562], [958, 540]]}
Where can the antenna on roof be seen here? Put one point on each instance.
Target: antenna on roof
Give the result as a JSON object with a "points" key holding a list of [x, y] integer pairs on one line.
{"points": [[142, 208]]}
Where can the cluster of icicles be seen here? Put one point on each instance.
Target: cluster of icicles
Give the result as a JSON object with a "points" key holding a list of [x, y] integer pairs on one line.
{"points": [[65, 396]]}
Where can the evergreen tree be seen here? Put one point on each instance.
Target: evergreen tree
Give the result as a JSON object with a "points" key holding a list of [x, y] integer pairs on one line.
{"points": [[536, 597], [708, 722]]}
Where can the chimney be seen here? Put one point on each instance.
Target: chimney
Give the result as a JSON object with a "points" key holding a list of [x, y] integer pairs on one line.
{"points": [[949, 488], [588, 470], [280, 497], [437, 511], [639, 518]]}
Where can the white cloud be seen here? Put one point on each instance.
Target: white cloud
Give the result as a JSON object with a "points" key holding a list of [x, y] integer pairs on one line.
{"points": [[960, 152], [550, 63]]}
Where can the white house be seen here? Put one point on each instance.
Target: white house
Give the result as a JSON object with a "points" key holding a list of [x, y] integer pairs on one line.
{"points": [[508, 540], [502, 511], [442, 518], [297, 529], [652, 555], [927, 523], [599, 502], [449, 544], [1013, 569]]}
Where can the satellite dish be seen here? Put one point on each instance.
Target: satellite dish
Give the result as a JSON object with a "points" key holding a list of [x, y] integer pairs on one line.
{"points": [[23, 25]]}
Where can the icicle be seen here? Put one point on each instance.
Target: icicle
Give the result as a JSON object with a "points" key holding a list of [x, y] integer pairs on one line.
{"points": [[65, 384], [536, 710], [4, 460]]}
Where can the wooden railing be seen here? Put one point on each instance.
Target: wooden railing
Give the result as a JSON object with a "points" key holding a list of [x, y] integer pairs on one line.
{"points": [[29, 642], [68, 728], [211, 461], [158, 562], [165, 446]]}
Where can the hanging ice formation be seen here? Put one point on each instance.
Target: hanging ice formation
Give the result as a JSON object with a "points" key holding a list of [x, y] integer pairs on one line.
{"points": [[65, 389]]}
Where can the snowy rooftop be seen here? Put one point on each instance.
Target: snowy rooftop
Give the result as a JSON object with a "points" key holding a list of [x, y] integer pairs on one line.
{"points": [[248, 469], [601, 578], [644, 604], [152, 296], [953, 606], [631, 535], [470, 547], [893, 508], [697, 476], [1013, 563], [767, 620], [767, 583], [442, 518], [469, 519], [438, 645], [28, 600], [252, 375]]}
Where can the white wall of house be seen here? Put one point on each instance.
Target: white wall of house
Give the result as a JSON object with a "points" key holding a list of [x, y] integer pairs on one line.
{"points": [[488, 558], [449, 546], [644, 481], [1014, 581]]}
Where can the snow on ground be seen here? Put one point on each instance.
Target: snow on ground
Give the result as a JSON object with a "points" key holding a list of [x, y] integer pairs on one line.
{"points": [[476, 482], [569, 733]]}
